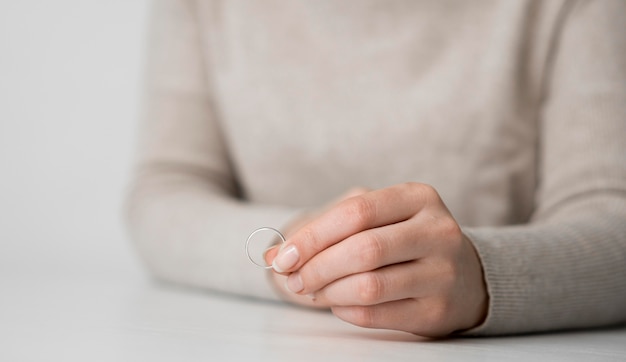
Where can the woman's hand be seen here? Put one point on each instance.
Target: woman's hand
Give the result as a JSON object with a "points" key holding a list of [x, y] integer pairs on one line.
{"points": [[393, 258], [280, 280]]}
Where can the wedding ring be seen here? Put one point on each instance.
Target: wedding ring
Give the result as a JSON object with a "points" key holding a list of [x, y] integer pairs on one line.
{"points": [[250, 239]]}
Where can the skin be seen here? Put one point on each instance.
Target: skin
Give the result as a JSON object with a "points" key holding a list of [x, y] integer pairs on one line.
{"points": [[393, 258]]}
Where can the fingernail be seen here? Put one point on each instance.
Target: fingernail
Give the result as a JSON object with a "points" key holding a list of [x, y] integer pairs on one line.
{"points": [[286, 258], [294, 283]]}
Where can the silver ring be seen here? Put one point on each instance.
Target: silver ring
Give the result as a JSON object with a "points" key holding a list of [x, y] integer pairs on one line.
{"points": [[282, 238]]}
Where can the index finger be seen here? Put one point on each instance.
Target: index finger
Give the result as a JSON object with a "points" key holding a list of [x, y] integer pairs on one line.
{"points": [[349, 217]]}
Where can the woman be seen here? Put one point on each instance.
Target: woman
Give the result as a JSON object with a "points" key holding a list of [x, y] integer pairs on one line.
{"points": [[478, 147]]}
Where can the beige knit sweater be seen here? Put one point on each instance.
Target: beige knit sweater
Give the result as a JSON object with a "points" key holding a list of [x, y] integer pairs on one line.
{"points": [[515, 111]]}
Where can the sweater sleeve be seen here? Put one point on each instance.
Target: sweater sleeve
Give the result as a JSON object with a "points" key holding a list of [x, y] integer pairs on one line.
{"points": [[184, 210], [566, 268]]}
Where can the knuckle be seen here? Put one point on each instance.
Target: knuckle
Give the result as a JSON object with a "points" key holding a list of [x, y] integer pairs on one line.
{"points": [[311, 275], [448, 274], [361, 210], [371, 251], [419, 187], [363, 316], [430, 195], [449, 229], [409, 188], [428, 189], [420, 191], [310, 237], [437, 315], [371, 289]]}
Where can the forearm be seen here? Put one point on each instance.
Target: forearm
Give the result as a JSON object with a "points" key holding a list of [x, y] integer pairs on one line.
{"points": [[189, 232], [565, 271]]}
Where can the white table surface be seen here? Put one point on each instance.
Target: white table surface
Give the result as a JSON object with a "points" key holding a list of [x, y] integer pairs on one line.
{"points": [[73, 315]]}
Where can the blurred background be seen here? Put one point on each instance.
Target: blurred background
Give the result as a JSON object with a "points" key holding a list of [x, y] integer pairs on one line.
{"points": [[70, 74]]}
